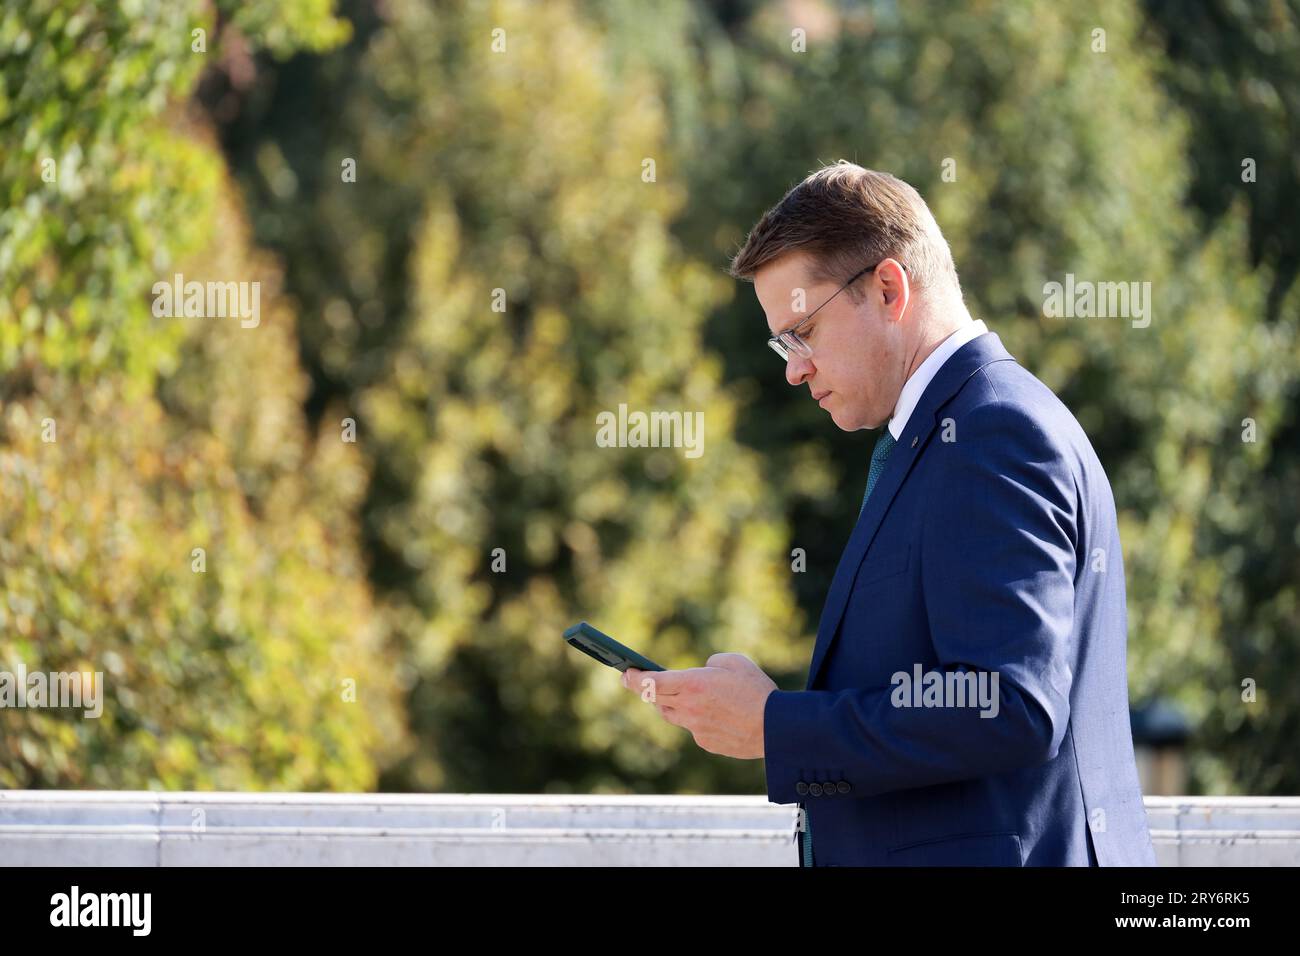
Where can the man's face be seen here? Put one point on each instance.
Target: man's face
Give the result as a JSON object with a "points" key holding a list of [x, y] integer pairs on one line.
{"points": [[858, 364]]}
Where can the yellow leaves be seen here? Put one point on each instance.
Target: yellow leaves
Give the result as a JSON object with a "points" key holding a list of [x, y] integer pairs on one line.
{"points": [[177, 761], [109, 515]]}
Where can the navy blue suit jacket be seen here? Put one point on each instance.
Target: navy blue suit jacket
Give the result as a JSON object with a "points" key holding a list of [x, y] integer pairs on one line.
{"points": [[989, 546]]}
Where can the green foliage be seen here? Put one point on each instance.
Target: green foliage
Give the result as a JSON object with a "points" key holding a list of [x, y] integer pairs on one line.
{"points": [[1235, 69], [82, 91], [285, 27], [128, 441], [522, 172], [229, 679]]}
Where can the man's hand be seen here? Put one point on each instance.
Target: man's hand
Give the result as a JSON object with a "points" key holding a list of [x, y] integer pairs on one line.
{"points": [[721, 703]]}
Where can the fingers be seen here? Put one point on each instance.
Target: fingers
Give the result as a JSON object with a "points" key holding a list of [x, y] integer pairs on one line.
{"points": [[646, 684], [657, 683], [641, 683]]}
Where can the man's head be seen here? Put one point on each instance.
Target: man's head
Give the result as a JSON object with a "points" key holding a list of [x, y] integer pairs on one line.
{"points": [[870, 337]]}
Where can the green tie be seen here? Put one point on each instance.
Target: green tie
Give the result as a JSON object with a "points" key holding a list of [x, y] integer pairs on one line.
{"points": [[884, 445]]}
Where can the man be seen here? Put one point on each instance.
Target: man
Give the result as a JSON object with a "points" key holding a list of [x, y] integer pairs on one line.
{"points": [[967, 701]]}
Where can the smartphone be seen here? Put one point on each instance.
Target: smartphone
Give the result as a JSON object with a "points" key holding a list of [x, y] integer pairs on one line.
{"points": [[607, 650]]}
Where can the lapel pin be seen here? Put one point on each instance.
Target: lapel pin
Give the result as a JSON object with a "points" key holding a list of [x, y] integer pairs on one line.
{"points": [[915, 439]]}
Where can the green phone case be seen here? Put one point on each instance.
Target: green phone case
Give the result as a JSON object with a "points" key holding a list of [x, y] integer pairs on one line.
{"points": [[607, 650]]}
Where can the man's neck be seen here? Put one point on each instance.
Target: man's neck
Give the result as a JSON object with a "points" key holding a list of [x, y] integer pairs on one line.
{"points": [[937, 321]]}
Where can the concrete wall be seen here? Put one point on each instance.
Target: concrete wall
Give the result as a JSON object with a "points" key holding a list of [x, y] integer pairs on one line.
{"points": [[144, 828]]}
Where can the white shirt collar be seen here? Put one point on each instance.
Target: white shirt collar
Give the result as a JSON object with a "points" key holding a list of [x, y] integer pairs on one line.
{"points": [[914, 388]]}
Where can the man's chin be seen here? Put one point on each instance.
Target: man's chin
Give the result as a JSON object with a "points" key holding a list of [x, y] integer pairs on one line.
{"points": [[843, 423], [849, 420]]}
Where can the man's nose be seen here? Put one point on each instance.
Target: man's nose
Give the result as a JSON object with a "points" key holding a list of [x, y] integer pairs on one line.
{"points": [[797, 369]]}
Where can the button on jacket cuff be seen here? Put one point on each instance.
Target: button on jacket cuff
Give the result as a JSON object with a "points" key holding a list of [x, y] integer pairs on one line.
{"points": [[789, 728]]}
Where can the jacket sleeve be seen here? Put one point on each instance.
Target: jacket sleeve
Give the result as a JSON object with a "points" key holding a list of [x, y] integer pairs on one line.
{"points": [[998, 559]]}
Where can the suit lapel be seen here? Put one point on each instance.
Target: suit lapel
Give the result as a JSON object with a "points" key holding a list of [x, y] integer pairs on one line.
{"points": [[952, 375]]}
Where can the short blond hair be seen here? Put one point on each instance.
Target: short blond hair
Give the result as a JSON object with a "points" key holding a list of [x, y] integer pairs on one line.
{"points": [[847, 218]]}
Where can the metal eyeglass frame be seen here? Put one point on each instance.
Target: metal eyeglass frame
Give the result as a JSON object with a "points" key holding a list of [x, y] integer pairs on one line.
{"points": [[783, 343]]}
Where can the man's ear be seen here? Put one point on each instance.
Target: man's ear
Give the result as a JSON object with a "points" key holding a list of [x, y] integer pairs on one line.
{"points": [[895, 290]]}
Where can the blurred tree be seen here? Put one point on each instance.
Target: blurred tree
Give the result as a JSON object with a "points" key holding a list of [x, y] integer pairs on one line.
{"points": [[541, 171], [1235, 69], [128, 441]]}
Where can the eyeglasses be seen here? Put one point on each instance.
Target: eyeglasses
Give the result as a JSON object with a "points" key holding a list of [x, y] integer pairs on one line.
{"points": [[783, 343]]}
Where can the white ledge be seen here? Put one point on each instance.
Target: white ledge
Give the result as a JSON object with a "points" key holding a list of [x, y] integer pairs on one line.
{"points": [[151, 828]]}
